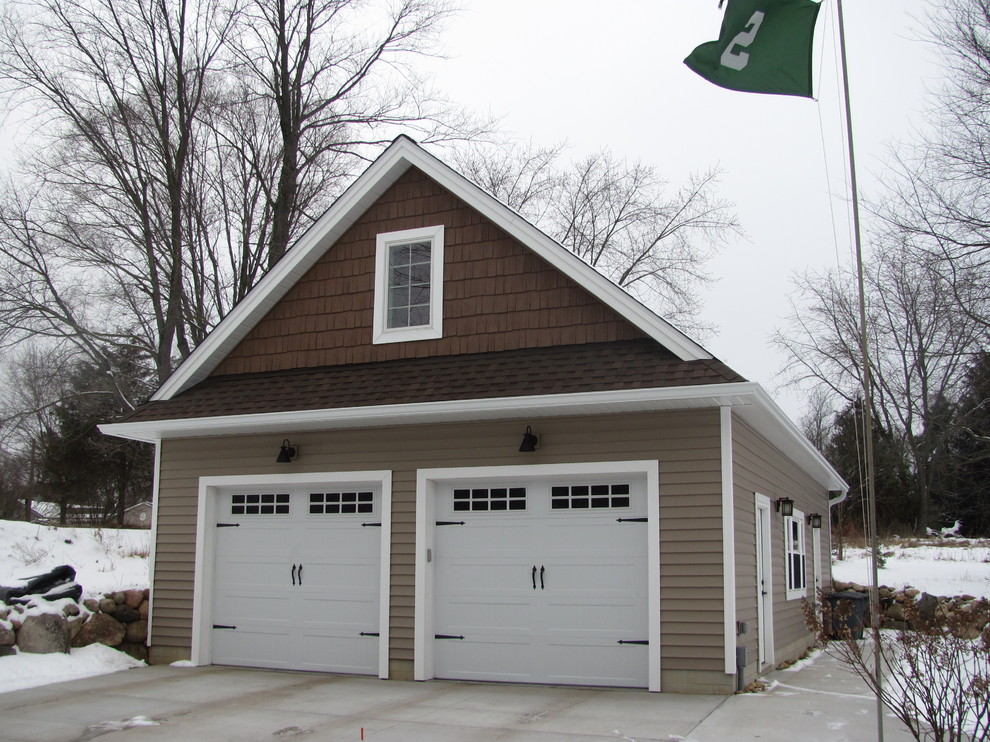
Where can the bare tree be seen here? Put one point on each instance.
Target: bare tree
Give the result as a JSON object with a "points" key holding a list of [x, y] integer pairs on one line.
{"points": [[336, 78], [920, 345], [181, 145], [937, 200], [617, 216], [119, 87]]}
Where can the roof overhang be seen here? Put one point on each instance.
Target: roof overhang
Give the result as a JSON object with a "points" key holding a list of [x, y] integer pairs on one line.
{"points": [[402, 154], [747, 399]]}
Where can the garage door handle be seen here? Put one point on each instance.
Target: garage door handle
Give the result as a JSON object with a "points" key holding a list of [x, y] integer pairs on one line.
{"points": [[300, 574], [542, 570], [293, 574], [534, 576]]}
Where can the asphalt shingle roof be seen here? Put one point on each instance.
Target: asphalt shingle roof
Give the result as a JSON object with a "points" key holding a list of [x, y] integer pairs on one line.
{"points": [[590, 367]]}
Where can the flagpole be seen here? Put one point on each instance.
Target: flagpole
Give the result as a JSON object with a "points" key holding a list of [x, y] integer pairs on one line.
{"points": [[867, 381]]}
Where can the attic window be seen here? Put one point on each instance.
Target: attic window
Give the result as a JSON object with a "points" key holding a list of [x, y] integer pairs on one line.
{"points": [[409, 285]]}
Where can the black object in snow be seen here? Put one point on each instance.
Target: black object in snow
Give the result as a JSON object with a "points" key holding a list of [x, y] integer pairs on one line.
{"points": [[45, 586]]}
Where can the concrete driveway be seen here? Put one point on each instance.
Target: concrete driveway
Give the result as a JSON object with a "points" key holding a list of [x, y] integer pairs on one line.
{"points": [[818, 702]]}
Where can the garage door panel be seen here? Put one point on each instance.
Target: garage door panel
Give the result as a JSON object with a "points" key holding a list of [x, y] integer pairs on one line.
{"points": [[613, 665], [478, 577], [254, 647], [489, 617], [330, 651], [498, 659]]}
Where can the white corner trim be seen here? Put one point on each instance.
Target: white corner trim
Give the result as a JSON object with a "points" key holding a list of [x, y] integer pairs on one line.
{"points": [[426, 484], [380, 175], [728, 542], [155, 499], [206, 514]]}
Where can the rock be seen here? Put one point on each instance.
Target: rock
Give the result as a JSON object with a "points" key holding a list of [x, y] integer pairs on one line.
{"points": [[100, 629], [108, 605], [927, 606], [133, 598], [145, 609], [126, 614], [857, 587], [895, 611], [137, 650], [4, 612], [118, 597], [912, 592], [7, 637], [136, 632], [92, 604], [965, 631], [70, 609], [839, 586], [75, 626], [44, 634], [7, 651]]}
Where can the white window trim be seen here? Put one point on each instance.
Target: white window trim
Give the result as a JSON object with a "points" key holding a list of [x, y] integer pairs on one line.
{"points": [[798, 592], [381, 333]]}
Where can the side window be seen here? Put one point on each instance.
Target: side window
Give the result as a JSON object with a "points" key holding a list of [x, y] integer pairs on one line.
{"points": [[409, 285], [794, 552]]}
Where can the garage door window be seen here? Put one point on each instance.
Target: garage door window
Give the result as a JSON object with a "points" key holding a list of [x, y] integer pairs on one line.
{"points": [[585, 497], [270, 504], [341, 503], [487, 500]]}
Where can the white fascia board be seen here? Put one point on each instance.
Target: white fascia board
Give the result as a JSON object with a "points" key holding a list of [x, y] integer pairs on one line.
{"points": [[631, 400], [374, 181]]}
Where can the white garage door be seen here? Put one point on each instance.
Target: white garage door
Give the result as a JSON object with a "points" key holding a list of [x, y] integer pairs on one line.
{"points": [[297, 579], [542, 582]]}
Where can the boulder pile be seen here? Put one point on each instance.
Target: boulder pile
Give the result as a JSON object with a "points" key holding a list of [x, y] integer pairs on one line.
{"points": [[893, 603], [118, 620]]}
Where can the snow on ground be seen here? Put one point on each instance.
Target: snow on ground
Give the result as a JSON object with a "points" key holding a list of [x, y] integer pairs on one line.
{"points": [[105, 560], [961, 567], [30, 670]]}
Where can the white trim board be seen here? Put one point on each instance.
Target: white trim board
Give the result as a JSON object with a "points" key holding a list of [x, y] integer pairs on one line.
{"points": [[402, 154], [427, 481], [728, 542], [209, 490]]}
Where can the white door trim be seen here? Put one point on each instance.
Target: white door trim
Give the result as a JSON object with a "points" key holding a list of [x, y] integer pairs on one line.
{"points": [[764, 566], [427, 481], [210, 488]]}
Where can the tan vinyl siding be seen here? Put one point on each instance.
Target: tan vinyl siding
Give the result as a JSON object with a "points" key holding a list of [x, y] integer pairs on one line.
{"points": [[761, 468], [498, 295], [685, 443]]}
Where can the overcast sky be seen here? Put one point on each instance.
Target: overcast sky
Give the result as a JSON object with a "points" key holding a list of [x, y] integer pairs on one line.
{"points": [[611, 74]]}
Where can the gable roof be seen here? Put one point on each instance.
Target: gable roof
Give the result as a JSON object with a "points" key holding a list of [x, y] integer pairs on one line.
{"points": [[369, 186]]}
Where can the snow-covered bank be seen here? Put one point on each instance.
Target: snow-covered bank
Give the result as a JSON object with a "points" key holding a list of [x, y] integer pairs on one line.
{"points": [[961, 568], [105, 559]]}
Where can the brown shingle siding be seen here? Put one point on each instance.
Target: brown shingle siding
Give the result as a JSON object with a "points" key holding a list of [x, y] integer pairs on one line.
{"points": [[498, 295]]}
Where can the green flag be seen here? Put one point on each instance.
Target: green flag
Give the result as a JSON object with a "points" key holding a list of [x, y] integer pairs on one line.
{"points": [[764, 47]]}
